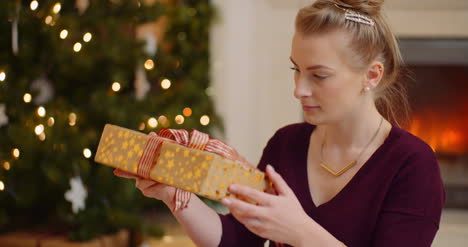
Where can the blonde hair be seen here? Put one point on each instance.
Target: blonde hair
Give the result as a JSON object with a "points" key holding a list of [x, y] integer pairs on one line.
{"points": [[367, 44]]}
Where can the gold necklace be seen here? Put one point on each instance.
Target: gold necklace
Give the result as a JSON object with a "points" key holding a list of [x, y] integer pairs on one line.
{"points": [[352, 163]]}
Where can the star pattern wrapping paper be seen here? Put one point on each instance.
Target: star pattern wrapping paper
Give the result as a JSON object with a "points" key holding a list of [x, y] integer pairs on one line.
{"points": [[201, 172]]}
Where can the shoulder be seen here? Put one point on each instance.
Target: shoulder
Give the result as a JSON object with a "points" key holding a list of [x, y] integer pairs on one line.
{"points": [[416, 185], [405, 161], [290, 137], [410, 146], [420, 166]]}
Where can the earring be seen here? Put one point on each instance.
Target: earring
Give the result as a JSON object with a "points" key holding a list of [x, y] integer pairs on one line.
{"points": [[367, 89]]}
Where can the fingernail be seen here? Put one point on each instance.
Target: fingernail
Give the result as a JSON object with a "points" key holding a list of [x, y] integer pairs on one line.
{"points": [[233, 187], [226, 201], [271, 167]]}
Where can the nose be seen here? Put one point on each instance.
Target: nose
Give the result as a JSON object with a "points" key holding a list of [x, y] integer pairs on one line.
{"points": [[302, 88]]}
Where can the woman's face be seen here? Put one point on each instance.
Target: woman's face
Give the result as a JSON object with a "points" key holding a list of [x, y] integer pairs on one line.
{"points": [[325, 84]]}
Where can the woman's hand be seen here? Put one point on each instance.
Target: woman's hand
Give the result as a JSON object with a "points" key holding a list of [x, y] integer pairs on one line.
{"points": [[275, 217], [160, 191], [150, 188]]}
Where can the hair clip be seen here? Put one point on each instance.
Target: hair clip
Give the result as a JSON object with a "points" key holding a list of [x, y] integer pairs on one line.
{"points": [[352, 15]]}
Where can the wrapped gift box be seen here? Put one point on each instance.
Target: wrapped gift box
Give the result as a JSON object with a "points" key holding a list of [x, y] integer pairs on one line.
{"points": [[198, 171]]}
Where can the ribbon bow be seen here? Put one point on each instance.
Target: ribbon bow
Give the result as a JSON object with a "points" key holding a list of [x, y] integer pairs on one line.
{"points": [[196, 140]]}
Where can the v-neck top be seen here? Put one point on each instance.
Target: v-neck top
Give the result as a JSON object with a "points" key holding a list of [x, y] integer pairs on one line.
{"points": [[394, 199]]}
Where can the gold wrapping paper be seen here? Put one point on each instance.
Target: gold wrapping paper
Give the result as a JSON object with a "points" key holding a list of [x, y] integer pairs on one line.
{"points": [[197, 171]]}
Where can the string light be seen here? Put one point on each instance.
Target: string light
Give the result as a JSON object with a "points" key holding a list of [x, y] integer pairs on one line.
{"points": [[205, 120], [2, 76], [142, 126], [39, 129], [41, 111], [187, 112], [42, 136], [149, 64], [51, 121], [34, 4], [64, 34], [6, 165], [57, 8], [87, 37], [115, 86], [72, 119], [2, 186], [16, 153], [166, 84], [152, 122], [77, 47], [87, 153], [48, 20], [27, 98], [163, 120], [179, 119]]}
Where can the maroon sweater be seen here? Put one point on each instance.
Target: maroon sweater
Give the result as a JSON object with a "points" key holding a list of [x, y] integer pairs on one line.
{"points": [[395, 199]]}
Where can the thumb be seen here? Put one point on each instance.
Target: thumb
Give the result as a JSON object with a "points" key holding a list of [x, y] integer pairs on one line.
{"points": [[278, 182], [124, 174]]}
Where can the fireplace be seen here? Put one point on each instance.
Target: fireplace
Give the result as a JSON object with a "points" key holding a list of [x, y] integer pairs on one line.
{"points": [[439, 100]]}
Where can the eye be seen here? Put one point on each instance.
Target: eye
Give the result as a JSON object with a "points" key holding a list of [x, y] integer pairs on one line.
{"points": [[295, 69], [321, 77]]}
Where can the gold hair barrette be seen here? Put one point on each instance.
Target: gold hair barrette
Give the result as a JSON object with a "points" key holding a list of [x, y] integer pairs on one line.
{"points": [[352, 15]]}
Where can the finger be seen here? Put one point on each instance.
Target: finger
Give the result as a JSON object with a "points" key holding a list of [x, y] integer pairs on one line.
{"points": [[142, 183], [242, 209], [254, 225], [280, 185], [250, 193], [250, 222], [124, 174], [152, 190]]}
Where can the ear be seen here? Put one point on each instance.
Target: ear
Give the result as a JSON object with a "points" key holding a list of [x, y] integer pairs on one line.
{"points": [[374, 74]]}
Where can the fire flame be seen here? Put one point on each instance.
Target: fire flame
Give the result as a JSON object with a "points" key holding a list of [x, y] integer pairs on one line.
{"points": [[445, 135]]}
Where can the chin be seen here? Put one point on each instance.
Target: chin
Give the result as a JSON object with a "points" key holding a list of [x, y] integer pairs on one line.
{"points": [[314, 120]]}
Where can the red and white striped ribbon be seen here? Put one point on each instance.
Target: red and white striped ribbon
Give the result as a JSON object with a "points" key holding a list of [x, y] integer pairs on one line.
{"points": [[196, 140]]}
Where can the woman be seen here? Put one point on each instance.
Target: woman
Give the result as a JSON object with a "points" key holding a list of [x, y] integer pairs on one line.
{"points": [[348, 175]]}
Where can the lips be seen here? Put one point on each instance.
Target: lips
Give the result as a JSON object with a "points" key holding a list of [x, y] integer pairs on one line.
{"points": [[309, 108]]}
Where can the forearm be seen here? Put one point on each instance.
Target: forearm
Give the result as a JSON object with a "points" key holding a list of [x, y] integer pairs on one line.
{"points": [[201, 223], [315, 235]]}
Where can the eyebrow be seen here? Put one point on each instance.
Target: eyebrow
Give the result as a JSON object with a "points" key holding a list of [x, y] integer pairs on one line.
{"points": [[318, 66]]}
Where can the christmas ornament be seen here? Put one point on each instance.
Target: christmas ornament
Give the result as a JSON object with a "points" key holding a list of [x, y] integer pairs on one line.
{"points": [[152, 33], [150, 44], [3, 116], [81, 5], [142, 86], [14, 30], [44, 88], [77, 194], [146, 33]]}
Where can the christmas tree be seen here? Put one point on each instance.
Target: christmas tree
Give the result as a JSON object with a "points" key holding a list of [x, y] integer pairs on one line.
{"points": [[69, 67]]}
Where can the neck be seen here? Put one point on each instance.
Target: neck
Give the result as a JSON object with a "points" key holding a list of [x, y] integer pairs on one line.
{"points": [[355, 131]]}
